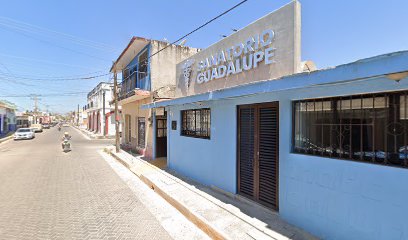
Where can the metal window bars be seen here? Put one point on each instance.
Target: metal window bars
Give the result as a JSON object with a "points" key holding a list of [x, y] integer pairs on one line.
{"points": [[196, 123], [366, 128]]}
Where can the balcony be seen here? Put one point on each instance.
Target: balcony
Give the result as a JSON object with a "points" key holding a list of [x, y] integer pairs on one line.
{"points": [[133, 95], [133, 85]]}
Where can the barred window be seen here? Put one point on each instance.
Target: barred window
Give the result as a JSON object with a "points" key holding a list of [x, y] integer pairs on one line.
{"points": [[196, 123], [366, 128]]}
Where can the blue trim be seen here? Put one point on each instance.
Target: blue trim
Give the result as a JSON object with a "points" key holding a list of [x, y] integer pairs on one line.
{"points": [[359, 70], [154, 135], [148, 84], [135, 62]]}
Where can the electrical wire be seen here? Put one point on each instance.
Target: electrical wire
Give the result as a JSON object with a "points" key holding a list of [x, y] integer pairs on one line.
{"points": [[193, 31], [100, 75], [33, 29], [44, 95], [59, 79], [129, 67], [59, 46], [30, 60]]}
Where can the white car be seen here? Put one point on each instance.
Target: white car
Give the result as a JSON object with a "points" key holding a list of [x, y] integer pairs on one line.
{"points": [[24, 133]]}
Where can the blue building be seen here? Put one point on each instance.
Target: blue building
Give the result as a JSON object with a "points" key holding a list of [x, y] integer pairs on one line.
{"points": [[327, 149], [7, 117]]}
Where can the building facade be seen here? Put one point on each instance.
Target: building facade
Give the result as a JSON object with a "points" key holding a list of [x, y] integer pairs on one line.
{"points": [[7, 117], [98, 110], [325, 149], [146, 79]]}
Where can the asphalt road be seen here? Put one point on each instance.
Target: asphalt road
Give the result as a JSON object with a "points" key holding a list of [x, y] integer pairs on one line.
{"points": [[48, 194]]}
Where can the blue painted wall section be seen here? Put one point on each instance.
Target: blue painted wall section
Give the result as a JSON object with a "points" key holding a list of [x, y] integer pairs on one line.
{"points": [[135, 63], [210, 161], [331, 198]]}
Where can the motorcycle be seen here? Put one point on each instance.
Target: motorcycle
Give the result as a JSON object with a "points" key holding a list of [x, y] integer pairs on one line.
{"points": [[66, 145]]}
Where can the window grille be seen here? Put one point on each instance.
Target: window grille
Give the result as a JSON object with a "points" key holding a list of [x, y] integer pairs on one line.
{"points": [[367, 128], [196, 123]]}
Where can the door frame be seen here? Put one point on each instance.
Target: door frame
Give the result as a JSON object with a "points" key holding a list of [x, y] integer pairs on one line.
{"points": [[138, 123], [160, 118], [128, 128], [256, 153]]}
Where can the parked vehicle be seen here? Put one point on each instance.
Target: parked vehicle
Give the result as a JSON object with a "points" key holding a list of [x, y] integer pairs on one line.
{"points": [[46, 126], [37, 127], [24, 133]]}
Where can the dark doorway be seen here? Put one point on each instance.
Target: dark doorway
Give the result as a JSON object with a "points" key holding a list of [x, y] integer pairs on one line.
{"points": [[161, 136], [141, 132], [258, 152]]}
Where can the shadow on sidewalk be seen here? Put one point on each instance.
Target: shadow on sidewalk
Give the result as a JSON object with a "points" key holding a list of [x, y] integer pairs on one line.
{"points": [[259, 215]]}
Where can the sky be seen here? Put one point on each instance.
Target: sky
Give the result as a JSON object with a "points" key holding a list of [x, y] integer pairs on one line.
{"points": [[46, 42]]}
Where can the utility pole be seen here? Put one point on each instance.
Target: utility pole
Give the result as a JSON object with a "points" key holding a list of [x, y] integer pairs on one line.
{"points": [[35, 98], [78, 117], [103, 114], [115, 92]]}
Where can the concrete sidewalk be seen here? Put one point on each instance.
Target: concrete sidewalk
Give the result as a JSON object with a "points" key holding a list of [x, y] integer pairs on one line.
{"points": [[221, 215], [93, 135], [5, 138]]}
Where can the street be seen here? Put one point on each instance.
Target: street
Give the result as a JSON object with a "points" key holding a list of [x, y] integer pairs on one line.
{"points": [[48, 194]]}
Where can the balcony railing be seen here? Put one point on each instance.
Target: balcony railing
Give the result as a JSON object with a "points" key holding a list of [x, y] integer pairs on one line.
{"points": [[136, 81]]}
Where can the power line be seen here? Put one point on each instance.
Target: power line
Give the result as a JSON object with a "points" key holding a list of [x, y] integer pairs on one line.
{"points": [[143, 64], [203, 25], [59, 46], [56, 78], [179, 39], [30, 60], [11, 77], [43, 95], [30, 28], [193, 31]]}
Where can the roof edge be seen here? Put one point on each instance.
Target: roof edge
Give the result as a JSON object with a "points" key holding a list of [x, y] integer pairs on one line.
{"points": [[360, 69]]}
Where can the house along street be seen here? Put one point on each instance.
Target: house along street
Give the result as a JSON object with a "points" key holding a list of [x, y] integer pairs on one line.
{"points": [[48, 194]]}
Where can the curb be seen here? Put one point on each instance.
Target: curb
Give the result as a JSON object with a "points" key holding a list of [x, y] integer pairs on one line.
{"points": [[82, 133], [196, 219], [93, 136], [6, 138]]}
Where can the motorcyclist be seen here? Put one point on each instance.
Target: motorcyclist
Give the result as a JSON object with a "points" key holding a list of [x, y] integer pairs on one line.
{"points": [[66, 137]]}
